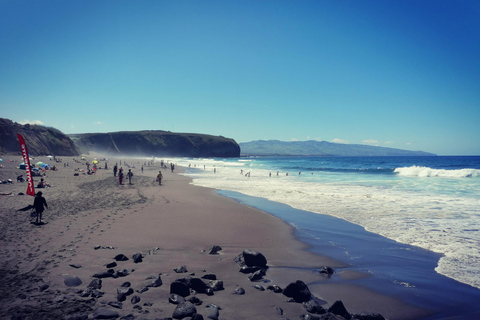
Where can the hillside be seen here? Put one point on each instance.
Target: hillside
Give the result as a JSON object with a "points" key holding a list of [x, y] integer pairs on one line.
{"points": [[320, 148], [157, 143], [40, 140]]}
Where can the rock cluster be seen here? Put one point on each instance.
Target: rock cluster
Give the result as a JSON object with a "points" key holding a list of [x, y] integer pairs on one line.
{"points": [[184, 293]]}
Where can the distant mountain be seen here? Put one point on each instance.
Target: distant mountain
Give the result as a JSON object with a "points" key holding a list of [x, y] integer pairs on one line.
{"points": [[157, 143], [40, 140], [320, 148]]}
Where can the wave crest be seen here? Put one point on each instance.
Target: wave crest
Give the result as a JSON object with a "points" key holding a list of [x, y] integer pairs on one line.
{"points": [[416, 171]]}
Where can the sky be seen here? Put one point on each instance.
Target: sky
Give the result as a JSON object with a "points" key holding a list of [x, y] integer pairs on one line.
{"points": [[399, 73]]}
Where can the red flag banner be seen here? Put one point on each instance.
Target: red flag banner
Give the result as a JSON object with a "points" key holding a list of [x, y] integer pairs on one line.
{"points": [[26, 161]]}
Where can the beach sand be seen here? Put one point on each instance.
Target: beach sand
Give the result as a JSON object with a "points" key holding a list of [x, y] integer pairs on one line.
{"points": [[91, 219]]}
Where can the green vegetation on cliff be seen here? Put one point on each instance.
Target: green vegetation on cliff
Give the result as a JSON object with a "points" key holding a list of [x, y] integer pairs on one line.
{"points": [[40, 140]]}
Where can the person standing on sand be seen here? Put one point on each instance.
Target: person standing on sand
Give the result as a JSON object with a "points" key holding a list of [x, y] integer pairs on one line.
{"points": [[38, 204], [159, 178], [120, 175], [115, 168], [130, 175]]}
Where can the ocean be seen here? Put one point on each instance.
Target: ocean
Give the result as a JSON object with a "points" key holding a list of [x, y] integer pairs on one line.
{"points": [[430, 203]]}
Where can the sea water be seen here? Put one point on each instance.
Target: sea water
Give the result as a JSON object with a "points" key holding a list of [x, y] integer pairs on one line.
{"points": [[428, 202]]}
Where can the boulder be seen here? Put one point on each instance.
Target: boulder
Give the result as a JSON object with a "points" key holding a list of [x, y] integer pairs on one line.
{"points": [[137, 258], [239, 291], [180, 288], [121, 257], [72, 281], [214, 250], [368, 316], [298, 291], [181, 269], [313, 306], [339, 309], [176, 299], [135, 299], [105, 313], [183, 310], [156, 282], [257, 275], [251, 258]]}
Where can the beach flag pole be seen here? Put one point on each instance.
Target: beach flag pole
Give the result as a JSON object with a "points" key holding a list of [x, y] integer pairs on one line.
{"points": [[26, 161]]}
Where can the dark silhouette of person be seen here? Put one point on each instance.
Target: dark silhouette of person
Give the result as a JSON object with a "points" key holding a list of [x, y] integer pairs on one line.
{"points": [[39, 204], [115, 168]]}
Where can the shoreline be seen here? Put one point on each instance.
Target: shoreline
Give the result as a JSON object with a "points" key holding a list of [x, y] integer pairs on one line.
{"points": [[170, 226]]}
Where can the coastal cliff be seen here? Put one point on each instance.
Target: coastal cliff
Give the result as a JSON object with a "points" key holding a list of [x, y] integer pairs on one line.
{"points": [[40, 140], [157, 143]]}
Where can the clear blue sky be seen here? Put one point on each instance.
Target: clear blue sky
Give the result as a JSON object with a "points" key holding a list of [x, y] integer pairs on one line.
{"points": [[403, 74]]}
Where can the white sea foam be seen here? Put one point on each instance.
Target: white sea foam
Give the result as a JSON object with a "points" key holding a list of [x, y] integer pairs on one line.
{"points": [[415, 171], [443, 223]]}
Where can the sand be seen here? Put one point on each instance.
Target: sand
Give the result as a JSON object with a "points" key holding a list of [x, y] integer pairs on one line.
{"points": [[91, 219]]}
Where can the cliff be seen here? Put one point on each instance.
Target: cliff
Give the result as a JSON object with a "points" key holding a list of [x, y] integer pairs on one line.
{"points": [[40, 140], [157, 143], [321, 148]]}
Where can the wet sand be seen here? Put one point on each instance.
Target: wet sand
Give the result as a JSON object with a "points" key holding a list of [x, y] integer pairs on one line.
{"points": [[91, 219]]}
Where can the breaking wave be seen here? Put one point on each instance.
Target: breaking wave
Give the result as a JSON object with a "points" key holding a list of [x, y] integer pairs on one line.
{"points": [[416, 171]]}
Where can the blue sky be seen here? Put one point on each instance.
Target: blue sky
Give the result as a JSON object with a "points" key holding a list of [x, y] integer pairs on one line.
{"points": [[402, 74]]}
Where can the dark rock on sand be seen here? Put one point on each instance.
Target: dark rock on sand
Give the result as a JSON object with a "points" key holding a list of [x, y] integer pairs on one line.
{"points": [[368, 316], [298, 291], [180, 288], [72, 281], [95, 284], [313, 306], [339, 309], [251, 258], [247, 270], [327, 271], [137, 258], [43, 287], [215, 250], [214, 312], [76, 266], [259, 287], [111, 265], [105, 313], [123, 273], [156, 282], [181, 269], [216, 285], [135, 299], [176, 298], [275, 288], [196, 301], [183, 310], [307, 316], [209, 276], [142, 290], [83, 316], [125, 290], [121, 257], [104, 274], [257, 275], [126, 284], [239, 291], [116, 304]]}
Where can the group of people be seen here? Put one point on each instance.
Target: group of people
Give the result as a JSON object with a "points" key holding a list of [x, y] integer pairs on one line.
{"points": [[120, 174]]}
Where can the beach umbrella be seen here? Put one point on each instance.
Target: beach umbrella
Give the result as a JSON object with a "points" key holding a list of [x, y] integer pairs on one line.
{"points": [[50, 157], [41, 164], [1, 160], [94, 161], [83, 158]]}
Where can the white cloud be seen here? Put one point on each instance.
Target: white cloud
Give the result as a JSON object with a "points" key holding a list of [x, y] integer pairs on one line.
{"points": [[294, 139], [408, 143], [370, 141], [337, 140], [38, 122], [315, 139], [388, 142], [98, 122]]}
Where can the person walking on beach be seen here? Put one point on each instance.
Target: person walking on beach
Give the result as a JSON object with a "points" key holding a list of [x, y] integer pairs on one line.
{"points": [[39, 204], [159, 178], [130, 175], [120, 176], [115, 168]]}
